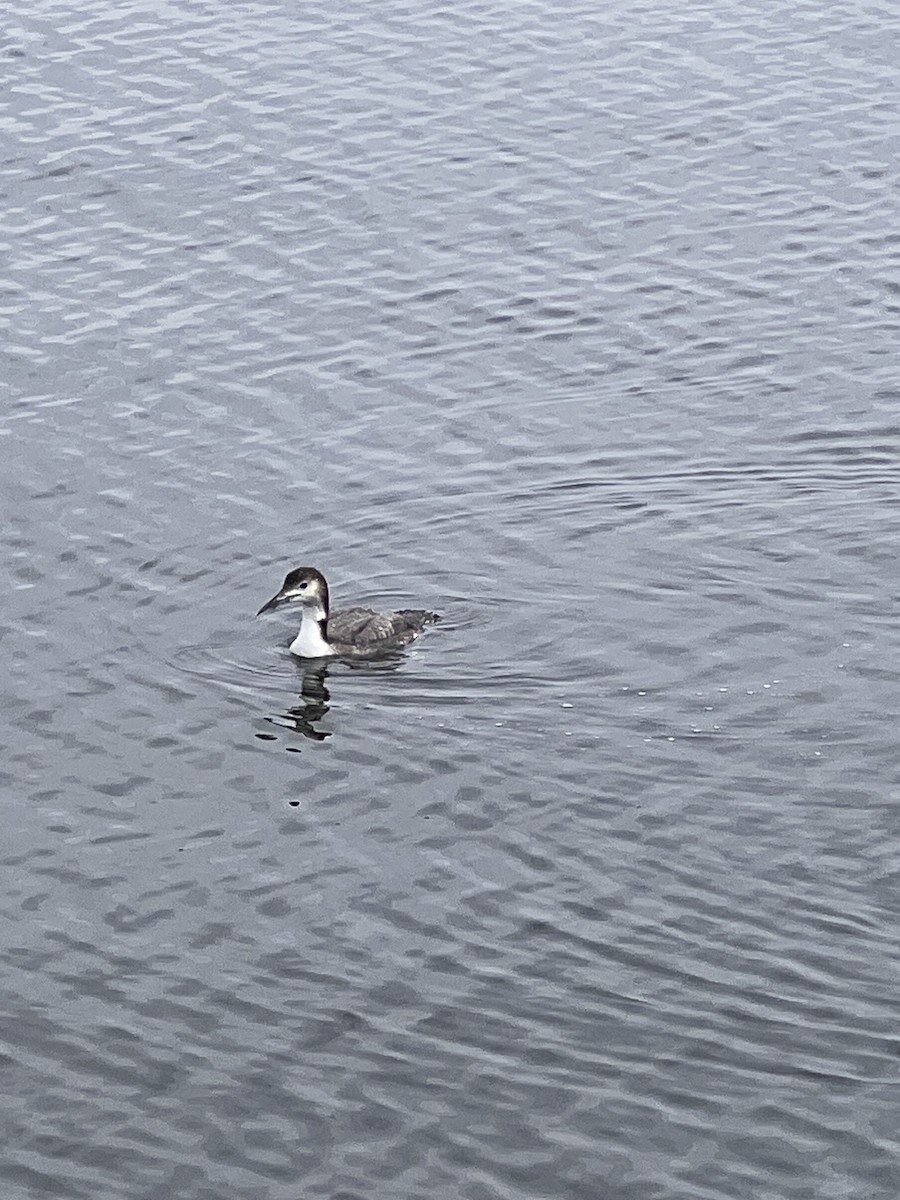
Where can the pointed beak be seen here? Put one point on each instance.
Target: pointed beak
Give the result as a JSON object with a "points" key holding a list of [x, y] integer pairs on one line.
{"points": [[276, 602]]}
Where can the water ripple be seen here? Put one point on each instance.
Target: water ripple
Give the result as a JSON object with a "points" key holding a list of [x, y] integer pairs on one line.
{"points": [[575, 325]]}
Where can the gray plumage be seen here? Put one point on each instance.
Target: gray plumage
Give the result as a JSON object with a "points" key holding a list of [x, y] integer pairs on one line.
{"points": [[362, 630]]}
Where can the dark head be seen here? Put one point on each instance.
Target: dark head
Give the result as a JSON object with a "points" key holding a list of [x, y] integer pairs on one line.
{"points": [[303, 584]]}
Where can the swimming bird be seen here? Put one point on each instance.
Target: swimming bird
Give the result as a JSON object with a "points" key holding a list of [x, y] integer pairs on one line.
{"points": [[350, 633]]}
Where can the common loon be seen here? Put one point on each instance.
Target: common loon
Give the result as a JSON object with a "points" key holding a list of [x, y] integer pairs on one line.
{"points": [[350, 633]]}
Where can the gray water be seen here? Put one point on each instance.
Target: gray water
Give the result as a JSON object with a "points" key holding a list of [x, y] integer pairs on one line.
{"points": [[577, 323]]}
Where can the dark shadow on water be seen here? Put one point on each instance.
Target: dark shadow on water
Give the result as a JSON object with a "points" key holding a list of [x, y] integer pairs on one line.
{"points": [[315, 697], [314, 705]]}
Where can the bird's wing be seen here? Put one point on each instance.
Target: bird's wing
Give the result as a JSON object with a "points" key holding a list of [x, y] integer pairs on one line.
{"points": [[364, 627]]}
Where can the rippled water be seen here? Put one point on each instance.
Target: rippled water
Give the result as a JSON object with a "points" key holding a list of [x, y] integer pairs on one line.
{"points": [[579, 325]]}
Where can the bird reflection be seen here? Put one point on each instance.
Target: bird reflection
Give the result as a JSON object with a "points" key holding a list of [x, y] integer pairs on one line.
{"points": [[315, 698], [313, 706]]}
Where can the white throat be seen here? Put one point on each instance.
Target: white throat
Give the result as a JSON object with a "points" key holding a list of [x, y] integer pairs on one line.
{"points": [[309, 642]]}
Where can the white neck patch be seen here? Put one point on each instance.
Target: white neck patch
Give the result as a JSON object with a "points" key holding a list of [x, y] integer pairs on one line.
{"points": [[309, 642]]}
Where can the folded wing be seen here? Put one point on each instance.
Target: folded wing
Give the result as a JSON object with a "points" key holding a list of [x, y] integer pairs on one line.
{"points": [[363, 628]]}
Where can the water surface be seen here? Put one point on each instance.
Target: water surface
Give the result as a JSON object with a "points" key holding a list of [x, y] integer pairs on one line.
{"points": [[577, 326]]}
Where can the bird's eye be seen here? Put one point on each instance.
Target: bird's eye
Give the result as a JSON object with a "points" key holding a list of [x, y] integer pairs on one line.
{"points": [[304, 583]]}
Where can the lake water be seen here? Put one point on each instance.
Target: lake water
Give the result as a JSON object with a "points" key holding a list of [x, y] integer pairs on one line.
{"points": [[579, 324]]}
